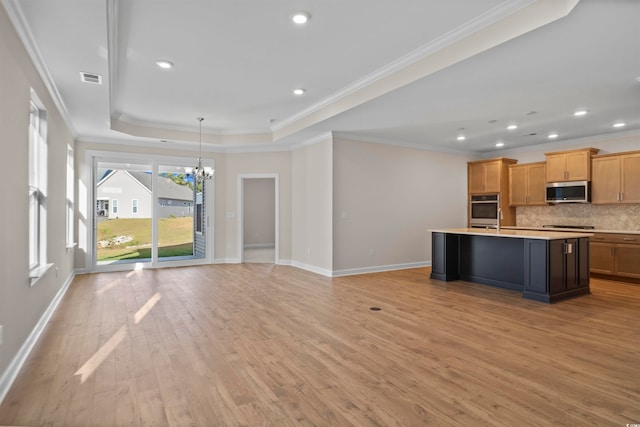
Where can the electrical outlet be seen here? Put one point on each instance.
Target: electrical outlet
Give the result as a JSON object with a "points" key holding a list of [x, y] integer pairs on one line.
{"points": [[371, 252]]}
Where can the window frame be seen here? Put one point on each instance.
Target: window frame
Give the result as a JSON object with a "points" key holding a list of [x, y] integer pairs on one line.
{"points": [[134, 207], [70, 205], [38, 172], [114, 206]]}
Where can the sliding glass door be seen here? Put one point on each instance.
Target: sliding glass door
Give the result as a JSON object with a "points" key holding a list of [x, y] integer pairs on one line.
{"points": [[148, 213]]}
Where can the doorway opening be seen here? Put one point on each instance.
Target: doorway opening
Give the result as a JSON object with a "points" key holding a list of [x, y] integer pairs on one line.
{"points": [[258, 218]]}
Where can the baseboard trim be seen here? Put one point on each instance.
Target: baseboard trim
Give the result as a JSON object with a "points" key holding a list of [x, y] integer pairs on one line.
{"points": [[226, 261], [380, 268], [10, 374], [311, 268]]}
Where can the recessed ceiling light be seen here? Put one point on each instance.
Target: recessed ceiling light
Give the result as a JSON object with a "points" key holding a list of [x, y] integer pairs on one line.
{"points": [[461, 138], [512, 127], [500, 144], [164, 64], [619, 125], [300, 17], [552, 136], [299, 91], [580, 113]]}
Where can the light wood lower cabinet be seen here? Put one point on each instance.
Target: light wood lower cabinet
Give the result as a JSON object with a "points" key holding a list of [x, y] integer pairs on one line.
{"points": [[615, 254], [627, 260], [601, 257]]}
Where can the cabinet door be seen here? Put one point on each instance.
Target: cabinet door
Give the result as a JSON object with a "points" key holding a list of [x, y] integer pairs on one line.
{"points": [[536, 185], [578, 166], [630, 178], [627, 259], [556, 168], [557, 273], [492, 177], [605, 182], [476, 178], [601, 257], [572, 274], [517, 186]]}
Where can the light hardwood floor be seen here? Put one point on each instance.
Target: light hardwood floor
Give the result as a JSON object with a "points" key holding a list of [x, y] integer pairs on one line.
{"points": [[259, 344]]}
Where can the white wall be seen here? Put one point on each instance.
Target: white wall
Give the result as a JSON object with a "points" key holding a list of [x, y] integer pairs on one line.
{"points": [[21, 306], [312, 219], [257, 163], [387, 197], [609, 143]]}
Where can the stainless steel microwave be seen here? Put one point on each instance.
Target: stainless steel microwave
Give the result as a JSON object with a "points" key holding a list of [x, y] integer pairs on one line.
{"points": [[568, 192]]}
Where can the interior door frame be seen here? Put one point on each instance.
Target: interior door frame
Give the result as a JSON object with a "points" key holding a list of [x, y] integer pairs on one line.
{"points": [[240, 216], [92, 158]]}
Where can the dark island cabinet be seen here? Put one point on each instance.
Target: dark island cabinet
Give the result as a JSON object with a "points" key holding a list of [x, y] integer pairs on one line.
{"points": [[544, 266], [556, 269]]}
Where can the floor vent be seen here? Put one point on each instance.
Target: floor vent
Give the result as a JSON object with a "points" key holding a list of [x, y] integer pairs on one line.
{"points": [[91, 78]]}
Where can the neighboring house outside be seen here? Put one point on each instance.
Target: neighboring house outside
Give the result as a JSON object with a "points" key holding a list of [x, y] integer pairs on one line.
{"points": [[127, 194]]}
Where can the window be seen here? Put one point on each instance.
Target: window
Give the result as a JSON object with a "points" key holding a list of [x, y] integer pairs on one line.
{"points": [[70, 183], [114, 206], [134, 206], [37, 185]]}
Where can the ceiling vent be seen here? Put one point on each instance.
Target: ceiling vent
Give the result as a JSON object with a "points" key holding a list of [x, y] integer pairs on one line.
{"points": [[91, 78]]}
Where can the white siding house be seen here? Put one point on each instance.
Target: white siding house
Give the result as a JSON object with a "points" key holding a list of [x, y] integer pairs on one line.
{"points": [[127, 194]]}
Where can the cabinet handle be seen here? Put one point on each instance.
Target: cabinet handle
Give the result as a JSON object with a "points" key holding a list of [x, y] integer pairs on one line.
{"points": [[598, 238], [568, 248], [629, 239], [621, 196]]}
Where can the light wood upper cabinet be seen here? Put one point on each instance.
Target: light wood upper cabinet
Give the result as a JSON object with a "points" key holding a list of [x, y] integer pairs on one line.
{"points": [[616, 178], [574, 165], [488, 176], [527, 184]]}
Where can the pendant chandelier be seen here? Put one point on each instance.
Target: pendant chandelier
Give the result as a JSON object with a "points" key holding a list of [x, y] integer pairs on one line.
{"points": [[200, 173]]}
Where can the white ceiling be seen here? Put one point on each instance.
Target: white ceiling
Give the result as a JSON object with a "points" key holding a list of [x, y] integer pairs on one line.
{"points": [[410, 72]]}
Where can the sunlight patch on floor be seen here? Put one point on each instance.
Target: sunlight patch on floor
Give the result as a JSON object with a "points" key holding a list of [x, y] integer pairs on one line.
{"points": [[96, 360]]}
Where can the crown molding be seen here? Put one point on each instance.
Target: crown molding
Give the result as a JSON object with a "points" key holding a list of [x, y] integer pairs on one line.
{"points": [[113, 51], [16, 16], [587, 140], [399, 143], [481, 21]]}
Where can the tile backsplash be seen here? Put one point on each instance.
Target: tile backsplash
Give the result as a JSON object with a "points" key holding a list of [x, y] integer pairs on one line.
{"points": [[604, 217]]}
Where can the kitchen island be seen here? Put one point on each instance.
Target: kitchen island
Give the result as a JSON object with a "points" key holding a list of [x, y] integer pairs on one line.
{"points": [[543, 265]]}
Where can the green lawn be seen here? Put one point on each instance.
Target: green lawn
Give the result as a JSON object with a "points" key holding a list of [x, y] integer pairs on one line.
{"points": [[175, 238]]}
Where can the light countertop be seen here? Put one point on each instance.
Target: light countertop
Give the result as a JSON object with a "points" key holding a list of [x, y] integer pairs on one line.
{"points": [[514, 227], [516, 234]]}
